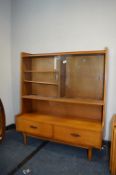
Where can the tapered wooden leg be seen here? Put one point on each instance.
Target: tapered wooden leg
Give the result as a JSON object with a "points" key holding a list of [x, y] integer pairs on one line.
{"points": [[25, 139], [89, 153]]}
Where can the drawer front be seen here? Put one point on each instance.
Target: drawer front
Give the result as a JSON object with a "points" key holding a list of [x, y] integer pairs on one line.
{"points": [[34, 128], [77, 136]]}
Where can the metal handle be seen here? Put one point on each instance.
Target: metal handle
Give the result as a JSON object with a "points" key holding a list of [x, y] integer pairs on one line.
{"points": [[75, 135], [33, 127]]}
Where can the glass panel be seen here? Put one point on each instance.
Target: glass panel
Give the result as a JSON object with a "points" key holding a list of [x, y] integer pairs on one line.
{"points": [[83, 76], [69, 76]]}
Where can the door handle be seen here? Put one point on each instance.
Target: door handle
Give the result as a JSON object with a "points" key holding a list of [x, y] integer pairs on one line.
{"points": [[33, 127], [75, 135]]}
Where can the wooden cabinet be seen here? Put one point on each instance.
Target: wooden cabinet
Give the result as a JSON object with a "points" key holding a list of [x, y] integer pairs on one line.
{"points": [[113, 148], [63, 97]]}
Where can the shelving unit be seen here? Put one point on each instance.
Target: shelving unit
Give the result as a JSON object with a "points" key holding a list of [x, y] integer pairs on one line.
{"points": [[63, 97]]}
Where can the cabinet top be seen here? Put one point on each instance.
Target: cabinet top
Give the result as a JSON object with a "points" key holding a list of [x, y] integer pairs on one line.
{"points": [[96, 52]]}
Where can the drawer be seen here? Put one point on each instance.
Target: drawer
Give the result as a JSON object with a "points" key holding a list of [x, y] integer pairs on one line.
{"points": [[34, 128], [77, 136]]}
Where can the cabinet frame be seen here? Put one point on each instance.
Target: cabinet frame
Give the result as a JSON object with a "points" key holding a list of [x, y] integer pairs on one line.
{"points": [[30, 102]]}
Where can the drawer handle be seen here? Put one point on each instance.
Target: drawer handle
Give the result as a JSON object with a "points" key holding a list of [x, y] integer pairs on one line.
{"points": [[75, 135], [33, 127]]}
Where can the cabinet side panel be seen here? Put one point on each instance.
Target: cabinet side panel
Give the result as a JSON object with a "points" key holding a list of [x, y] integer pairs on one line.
{"points": [[26, 65], [113, 160]]}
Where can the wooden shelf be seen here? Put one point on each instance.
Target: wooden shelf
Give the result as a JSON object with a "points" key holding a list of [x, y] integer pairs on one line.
{"points": [[36, 71], [40, 82], [66, 100]]}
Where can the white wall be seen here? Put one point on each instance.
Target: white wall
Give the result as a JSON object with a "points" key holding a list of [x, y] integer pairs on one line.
{"points": [[5, 59], [65, 25]]}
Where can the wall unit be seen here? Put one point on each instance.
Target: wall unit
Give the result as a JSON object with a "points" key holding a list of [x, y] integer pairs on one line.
{"points": [[113, 148], [63, 97]]}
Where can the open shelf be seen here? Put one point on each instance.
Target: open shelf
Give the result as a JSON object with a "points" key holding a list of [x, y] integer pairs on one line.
{"points": [[66, 100], [40, 82]]}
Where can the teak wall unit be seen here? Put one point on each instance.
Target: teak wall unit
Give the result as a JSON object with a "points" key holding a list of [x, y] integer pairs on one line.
{"points": [[63, 97]]}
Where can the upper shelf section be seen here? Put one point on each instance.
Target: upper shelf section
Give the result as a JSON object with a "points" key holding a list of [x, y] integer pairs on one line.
{"points": [[65, 75], [66, 100]]}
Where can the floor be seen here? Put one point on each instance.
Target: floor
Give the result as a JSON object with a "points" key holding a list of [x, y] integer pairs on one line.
{"points": [[47, 158]]}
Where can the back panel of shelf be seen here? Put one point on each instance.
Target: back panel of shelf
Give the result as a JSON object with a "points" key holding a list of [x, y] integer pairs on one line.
{"points": [[76, 111]]}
